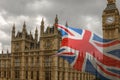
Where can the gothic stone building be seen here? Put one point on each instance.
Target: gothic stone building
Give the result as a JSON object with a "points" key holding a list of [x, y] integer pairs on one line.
{"points": [[30, 57]]}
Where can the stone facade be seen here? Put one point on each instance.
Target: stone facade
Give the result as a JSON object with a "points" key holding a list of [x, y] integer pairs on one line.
{"points": [[31, 57]]}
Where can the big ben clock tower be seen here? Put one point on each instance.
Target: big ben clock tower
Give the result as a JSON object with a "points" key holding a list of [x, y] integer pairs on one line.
{"points": [[111, 21]]}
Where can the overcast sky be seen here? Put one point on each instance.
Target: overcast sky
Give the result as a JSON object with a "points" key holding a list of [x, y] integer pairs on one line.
{"points": [[78, 13]]}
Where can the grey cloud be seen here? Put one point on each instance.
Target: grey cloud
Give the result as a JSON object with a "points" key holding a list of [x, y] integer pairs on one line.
{"points": [[71, 11], [14, 6], [6, 42]]}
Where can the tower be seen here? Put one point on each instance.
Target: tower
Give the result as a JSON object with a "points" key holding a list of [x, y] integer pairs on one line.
{"points": [[36, 35], [17, 48], [49, 44], [42, 27], [18, 40], [13, 31], [111, 21], [21, 42]]}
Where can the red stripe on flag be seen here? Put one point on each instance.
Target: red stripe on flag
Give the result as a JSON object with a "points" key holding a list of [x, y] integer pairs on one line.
{"points": [[79, 62], [65, 30], [108, 72], [67, 53], [108, 44]]}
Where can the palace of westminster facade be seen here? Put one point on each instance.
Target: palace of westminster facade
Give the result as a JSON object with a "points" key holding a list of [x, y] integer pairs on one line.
{"points": [[31, 57]]}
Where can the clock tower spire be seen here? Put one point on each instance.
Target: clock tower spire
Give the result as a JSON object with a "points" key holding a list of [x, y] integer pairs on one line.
{"points": [[111, 1], [111, 21]]}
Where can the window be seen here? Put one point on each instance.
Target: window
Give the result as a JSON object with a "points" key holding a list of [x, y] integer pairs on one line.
{"points": [[47, 61], [26, 74], [5, 74], [47, 75], [38, 59], [17, 61], [17, 74], [58, 75], [63, 75], [37, 75], [26, 61], [32, 61], [9, 74], [31, 45], [31, 74], [37, 62], [3, 64], [68, 75]]}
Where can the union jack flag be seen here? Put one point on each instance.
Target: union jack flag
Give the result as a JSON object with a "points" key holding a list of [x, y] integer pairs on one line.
{"points": [[87, 52]]}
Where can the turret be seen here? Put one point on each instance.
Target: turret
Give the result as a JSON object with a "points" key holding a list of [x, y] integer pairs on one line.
{"points": [[7, 51], [2, 52], [24, 30], [31, 36], [56, 22], [24, 27], [66, 24], [42, 27], [56, 19], [36, 34], [13, 31]]}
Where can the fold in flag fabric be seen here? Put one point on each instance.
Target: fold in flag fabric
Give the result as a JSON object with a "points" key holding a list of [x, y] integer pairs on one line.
{"points": [[87, 52]]}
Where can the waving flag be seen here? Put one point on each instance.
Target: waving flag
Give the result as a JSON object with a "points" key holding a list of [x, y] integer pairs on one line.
{"points": [[87, 52]]}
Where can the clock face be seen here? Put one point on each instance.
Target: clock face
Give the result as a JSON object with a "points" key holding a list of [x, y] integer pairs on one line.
{"points": [[110, 20]]}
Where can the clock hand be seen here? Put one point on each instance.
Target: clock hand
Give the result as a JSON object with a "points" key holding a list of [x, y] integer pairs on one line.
{"points": [[110, 19]]}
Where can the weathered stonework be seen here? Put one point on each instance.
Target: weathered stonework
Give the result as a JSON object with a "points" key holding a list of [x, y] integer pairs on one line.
{"points": [[31, 59], [111, 21]]}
